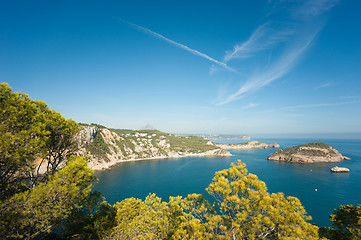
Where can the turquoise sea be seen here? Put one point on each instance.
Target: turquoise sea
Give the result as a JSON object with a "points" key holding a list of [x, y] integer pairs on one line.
{"points": [[319, 190]]}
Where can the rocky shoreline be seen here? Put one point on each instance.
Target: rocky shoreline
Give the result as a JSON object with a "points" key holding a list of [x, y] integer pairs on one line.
{"points": [[107, 147], [248, 145], [103, 165]]}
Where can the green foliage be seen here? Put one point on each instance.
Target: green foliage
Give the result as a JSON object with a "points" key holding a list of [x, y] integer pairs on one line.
{"points": [[245, 211], [97, 125], [322, 150], [98, 147], [250, 212], [61, 143], [198, 220], [36, 199], [154, 219], [21, 137], [121, 145], [92, 220], [129, 138], [36, 213], [317, 144], [61, 204], [189, 144], [91, 125], [177, 143], [346, 223], [151, 138], [142, 220], [125, 142], [31, 136]]}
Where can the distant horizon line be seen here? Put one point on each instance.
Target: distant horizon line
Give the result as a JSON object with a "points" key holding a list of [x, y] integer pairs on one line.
{"points": [[345, 135], [314, 135]]}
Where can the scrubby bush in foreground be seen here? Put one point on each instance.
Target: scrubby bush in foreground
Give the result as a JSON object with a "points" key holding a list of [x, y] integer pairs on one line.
{"points": [[245, 210]]}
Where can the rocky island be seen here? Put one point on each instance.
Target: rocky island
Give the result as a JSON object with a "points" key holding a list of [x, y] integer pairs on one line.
{"points": [[308, 153], [340, 170], [248, 145]]}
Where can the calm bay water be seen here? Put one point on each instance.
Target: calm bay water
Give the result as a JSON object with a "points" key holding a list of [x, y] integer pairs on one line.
{"points": [[182, 176]]}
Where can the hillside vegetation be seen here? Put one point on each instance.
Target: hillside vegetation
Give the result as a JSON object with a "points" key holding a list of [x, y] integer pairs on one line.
{"points": [[161, 139], [308, 153], [105, 146], [46, 191], [311, 149]]}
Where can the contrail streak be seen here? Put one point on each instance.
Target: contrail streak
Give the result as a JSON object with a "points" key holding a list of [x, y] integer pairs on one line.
{"points": [[193, 51]]}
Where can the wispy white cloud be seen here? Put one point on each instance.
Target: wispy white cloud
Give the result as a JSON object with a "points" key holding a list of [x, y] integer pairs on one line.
{"points": [[286, 44], [274, 72], [316, 105], [325, 85], [250, 105], [315, 7], [264, 37], [193, 51]]}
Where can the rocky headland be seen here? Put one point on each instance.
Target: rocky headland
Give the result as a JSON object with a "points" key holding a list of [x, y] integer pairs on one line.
{"points": [[308, 153], [105, 147], [248, 145]]}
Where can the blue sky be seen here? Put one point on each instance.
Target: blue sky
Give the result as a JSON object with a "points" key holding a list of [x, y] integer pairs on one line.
{"points": [[264, 68]]}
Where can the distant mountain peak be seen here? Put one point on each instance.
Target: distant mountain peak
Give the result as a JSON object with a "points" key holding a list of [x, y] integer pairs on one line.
{"points": [[148, 127]]}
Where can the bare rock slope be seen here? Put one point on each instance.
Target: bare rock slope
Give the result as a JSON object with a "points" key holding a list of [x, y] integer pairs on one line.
{"points": [[308, 153]]}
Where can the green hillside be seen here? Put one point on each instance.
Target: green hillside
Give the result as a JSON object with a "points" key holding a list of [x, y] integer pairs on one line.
{"points": [[311, 149], [126, 144]]}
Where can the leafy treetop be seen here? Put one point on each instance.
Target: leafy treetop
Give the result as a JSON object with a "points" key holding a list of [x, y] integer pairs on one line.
{"points": [[32, 137]]}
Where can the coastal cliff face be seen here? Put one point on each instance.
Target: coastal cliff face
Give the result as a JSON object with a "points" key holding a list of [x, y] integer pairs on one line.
{"points": [[87, 134], [308, 153], [248, 145], [106, 147]]}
